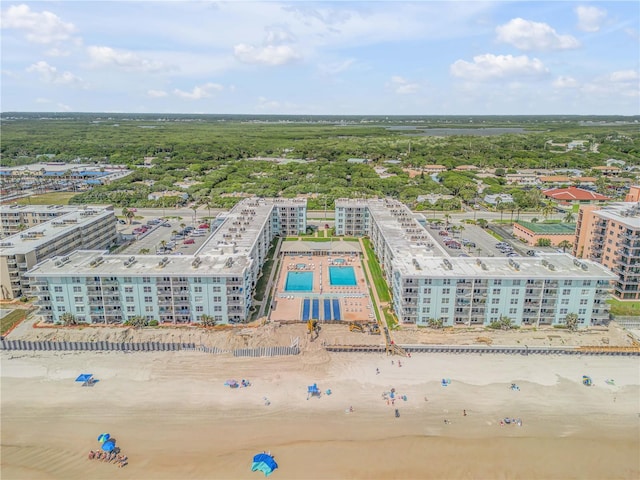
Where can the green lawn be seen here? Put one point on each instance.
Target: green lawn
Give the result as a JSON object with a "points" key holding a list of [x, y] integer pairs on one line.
{"points": [[53, 198], [376, 272], [624, 309], [13, 318], [261, 286], [494, 234]]}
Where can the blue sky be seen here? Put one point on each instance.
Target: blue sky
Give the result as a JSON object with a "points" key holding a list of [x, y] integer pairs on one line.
{"points": [[360, 58]]}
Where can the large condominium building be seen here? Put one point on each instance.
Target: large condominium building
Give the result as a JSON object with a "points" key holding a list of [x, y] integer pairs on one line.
{"points": [[217, 281], [16, 218], [427, 284], [81, 229], [611, 236]]}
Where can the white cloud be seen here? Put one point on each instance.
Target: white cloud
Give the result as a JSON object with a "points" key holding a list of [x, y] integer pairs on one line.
{"points": [[156, 93], [57, 52], [277, 36], [527, 35], [39, 27], [565, 82], [590, 18], [490, 66], [271, 55], [199, 92], [128, 61], [625, 83], [335, 68], [402, 86], [50, 74]]}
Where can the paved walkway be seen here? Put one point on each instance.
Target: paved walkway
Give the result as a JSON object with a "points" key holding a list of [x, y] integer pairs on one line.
{"points": [[267, 291]]}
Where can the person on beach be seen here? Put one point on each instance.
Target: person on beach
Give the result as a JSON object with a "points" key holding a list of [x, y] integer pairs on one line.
{"points": [[377, 371], [464, 413]]}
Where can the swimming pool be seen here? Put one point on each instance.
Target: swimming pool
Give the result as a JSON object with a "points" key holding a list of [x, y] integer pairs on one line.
{"points": [[299, 282], [342, 276]]}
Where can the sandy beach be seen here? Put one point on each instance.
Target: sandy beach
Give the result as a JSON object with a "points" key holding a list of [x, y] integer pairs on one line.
{"points": [[173, 416]]}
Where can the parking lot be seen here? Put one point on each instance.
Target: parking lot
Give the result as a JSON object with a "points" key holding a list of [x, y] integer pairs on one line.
{"points": [[474, 241], [161, 238]]}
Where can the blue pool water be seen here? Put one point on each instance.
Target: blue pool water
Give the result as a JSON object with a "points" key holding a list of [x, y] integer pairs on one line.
{"points": [[299, 282], [342, 276]]}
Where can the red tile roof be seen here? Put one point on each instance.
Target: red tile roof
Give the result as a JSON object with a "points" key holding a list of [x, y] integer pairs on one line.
{"points": [[574, 193]]}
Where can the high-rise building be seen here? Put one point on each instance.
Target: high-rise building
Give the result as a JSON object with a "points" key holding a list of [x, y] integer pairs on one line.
{"points": [[610, 235], [427, 284], [85, 228], [217, 281]]}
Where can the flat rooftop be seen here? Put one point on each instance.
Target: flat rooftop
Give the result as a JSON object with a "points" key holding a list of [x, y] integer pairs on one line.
{"points": [[58, 209], [553, 265], [34, 237], [627, 213], [85, 263]]}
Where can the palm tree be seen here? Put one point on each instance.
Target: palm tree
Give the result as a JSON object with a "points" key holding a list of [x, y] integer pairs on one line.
{"points": [[207, 321], [548, 209], [565, 244], [571, 321], [194, 207], [482, 222], [68, 319], [128, 214], [144, 251], [569, 217], [447, 217]]}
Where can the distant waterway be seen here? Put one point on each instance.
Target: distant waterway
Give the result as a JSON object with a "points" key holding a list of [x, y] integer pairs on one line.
{"points": [[446, 132]]}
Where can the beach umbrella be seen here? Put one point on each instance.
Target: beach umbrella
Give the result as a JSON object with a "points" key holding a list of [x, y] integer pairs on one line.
{"points": [[109, 445], [265, 463], [103, 437]]}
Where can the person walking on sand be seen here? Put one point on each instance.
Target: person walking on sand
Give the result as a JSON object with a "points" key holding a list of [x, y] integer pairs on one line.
{"points": [[377, 371], [464, 413]]}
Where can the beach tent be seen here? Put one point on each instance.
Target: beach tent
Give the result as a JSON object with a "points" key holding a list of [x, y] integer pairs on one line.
{"points": [[263, 462], [232, 383], [86, 379], [313, 391]]}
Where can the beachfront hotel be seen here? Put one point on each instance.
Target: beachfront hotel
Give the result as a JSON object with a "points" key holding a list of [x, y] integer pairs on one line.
{"points": [[610, 235], [427, 283], [218, 280], [71, 230], [16, 218]]}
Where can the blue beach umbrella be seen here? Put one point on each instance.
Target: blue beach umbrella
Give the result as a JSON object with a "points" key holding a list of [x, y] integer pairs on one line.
{"points": [[263, 462], [103, 437], [109, 445]]}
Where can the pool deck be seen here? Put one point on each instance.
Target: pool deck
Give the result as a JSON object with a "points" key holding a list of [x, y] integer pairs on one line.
{"points": [[355, 304]]}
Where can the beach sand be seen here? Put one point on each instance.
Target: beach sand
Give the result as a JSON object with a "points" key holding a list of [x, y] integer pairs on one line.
{"points": [[173, 416]]}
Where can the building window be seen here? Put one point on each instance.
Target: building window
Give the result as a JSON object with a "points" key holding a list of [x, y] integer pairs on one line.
{"points": [[127, 279], [495, 301], [496, 291], [515, 291], [426, 300], [564, 301], [514, 301], [217, 308], [197, 289], [147, 289], [197, 280], [61, 309], [199, 308], [426, 309], [444, 310], [446, 281], [148, 308], [128, 299], [446, 291], [584, 291], [198, 299], [75, 279], [586, 283], [494, 310], [148, 299], [583, 301], [146, 279], [516, 283], [445, 300], [217, 289], [427, 290], [128, 289], [566, 291], [513, 311], [57, 289], [564, 311], [59, 299], [131, 308], [567, 283], [217, 318], [217, 299], [78, 299], [77, 289], [80, 309], [582, 311], [497, 282]]}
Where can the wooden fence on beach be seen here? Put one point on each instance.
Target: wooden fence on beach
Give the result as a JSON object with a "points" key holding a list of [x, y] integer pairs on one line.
{"points": [[48, 345]]}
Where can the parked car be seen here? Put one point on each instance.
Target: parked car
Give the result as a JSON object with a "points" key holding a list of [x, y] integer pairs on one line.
{"points": [[443, 233], [122, 222], [204, 226], [177, 237], [166, 224], [189, 241], [153, 222], [531, 253]]}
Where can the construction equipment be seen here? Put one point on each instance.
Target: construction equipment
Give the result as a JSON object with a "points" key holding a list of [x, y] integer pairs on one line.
{"points": [[356, 327], [374, 329], [313, 327]]}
